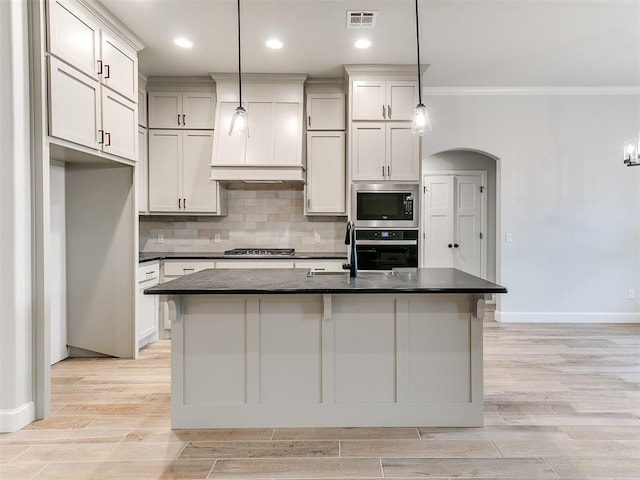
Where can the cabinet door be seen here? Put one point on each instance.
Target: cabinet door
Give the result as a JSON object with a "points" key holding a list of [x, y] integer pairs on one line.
{"points": [[368, 151], [165, 109], [119, 66], [73, 36], [228, 150], [198, 109], [165, 150], [120, 125], [259, 150], [325, 111], [69, 87], [402, 98], [147, 314], [368, 102], [325, 173], [142, 175], [403, 158], [198, 191], [142, 108], [287, 141]]}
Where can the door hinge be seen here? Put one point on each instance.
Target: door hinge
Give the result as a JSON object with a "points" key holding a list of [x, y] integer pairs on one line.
{"points": [[480, 235], [481, 189]]}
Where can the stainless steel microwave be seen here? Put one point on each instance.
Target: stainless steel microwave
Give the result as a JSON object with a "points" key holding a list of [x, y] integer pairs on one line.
{"points": [[385, 205]]}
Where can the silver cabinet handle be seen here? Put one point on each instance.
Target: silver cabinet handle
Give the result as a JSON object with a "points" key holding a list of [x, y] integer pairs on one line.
{"points": [[389, 111]]}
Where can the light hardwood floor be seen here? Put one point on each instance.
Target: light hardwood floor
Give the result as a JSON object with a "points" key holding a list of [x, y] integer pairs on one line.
{"points": [[561, 401]]}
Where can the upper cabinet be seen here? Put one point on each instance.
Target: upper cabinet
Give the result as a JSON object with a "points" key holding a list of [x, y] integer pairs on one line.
{"points": [[325, 111], [77, 37], [190, 110], [384, 100], [273, 150], [93, 79]]}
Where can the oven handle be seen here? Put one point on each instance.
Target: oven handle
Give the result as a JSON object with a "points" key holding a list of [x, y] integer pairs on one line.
{"points": [[387, 242]]}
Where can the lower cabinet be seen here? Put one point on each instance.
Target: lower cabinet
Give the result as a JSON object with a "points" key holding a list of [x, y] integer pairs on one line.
{"points": [[147, 306]]}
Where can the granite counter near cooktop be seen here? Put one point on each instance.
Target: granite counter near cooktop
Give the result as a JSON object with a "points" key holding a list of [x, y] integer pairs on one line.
{"points": [[298, 281], [150, 256]]}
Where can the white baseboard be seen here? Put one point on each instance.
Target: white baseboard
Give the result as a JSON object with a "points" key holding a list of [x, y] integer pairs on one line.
{"points": [[14, 420], [567, 317]]}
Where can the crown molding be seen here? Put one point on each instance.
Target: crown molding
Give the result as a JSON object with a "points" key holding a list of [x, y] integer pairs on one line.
{"points": [[385, 69], [523, 91], [111, 21], [260, 77]]}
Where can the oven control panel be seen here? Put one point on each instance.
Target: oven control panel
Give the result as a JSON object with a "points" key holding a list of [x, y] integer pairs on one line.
{"points": [[387, 234]]}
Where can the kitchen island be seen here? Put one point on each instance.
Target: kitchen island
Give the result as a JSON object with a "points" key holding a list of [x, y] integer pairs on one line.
{"points": [[287, 347]]}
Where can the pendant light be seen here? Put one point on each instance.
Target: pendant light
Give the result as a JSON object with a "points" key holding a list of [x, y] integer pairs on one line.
{"points": [[632, 152], [239, 122], [421, 122]]}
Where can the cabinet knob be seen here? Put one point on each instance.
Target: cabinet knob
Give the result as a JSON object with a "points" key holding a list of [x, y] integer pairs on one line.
{"points": [[450, 245], [455, 245]]}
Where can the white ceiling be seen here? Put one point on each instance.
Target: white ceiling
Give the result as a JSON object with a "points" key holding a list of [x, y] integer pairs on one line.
{"points": [[466, 42]]}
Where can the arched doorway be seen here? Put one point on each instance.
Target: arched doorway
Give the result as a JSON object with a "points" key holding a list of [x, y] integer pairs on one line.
{"points": [[461, 203]]}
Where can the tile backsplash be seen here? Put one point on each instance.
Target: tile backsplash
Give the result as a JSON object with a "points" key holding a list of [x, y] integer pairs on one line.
{"points": [[258, 216]]}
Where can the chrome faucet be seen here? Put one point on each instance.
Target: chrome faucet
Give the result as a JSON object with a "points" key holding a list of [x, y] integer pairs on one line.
{"points": [[350, 239]]}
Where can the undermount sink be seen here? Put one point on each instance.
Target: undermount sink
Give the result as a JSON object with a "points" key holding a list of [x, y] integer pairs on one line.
{"points": [[361, 273]]}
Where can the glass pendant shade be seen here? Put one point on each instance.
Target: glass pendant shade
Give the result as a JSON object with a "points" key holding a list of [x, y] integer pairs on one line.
{"points": [[239, 124], [631, 150], [421, 121]]}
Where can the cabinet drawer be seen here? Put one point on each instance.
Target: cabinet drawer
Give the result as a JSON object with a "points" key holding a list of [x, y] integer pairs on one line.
{"points": [[174, 269], [148, 271], [328, 265]]}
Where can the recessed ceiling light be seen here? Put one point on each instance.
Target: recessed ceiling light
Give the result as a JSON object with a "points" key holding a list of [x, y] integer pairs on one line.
{"points": [[362, 43], [183, 42], [274, 43]]}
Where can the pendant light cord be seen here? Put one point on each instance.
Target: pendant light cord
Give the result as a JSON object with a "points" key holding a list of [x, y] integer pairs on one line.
{"points": [[418, 44], [239, 62]]}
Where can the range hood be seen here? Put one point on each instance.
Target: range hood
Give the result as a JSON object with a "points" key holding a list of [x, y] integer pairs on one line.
{"points": [[275, 110]]}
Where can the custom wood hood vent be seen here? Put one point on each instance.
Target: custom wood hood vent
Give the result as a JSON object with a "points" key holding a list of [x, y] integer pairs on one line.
{"points": [[273, 150]]}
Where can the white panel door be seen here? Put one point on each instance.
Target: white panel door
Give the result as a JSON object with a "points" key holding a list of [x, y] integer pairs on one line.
{"points": [[165, 109], [74, 105], [368, 100], [198, 191], [402, 98], [438, 221], [73, 36], [368, 151], [402, 150], [287, 144], [165, 151], [228, 150], [325, 173], [260, 142], [120, 125], [198, 110], [119, 66], [468, 224]]}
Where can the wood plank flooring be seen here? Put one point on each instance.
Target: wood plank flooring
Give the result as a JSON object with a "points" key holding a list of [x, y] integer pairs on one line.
{"points": [[561, 401]]}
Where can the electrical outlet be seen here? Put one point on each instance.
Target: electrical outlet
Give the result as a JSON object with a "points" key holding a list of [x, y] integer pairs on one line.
{"points": [[508, 238], [161, 238], [216, 238], [316, 237], [632, 294]]}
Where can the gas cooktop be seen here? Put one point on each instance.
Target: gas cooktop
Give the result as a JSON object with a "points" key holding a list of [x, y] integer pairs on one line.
{"points": [[259, 252]]}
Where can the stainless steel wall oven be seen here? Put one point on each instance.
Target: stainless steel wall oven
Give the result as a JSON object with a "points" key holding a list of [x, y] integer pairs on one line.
{"points": [[387, 249]]}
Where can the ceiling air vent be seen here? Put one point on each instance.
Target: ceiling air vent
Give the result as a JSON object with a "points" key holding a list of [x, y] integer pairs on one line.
{"points": [[361, 19]]}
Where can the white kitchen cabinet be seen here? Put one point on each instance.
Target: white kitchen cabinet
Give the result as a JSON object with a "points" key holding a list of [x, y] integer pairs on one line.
{"points": [[142, 171], [177, 268], [325, 111], [142, 108], [179, 173], [384, 99], [257, 263], [100, 118], [325, 188], [385, 151], [147, 306], [76, 36], [329, 265], [184, 110]]}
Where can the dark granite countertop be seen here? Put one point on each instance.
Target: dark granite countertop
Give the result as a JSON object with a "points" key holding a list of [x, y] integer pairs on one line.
{"points": [[297, 281], [150, 256]]}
